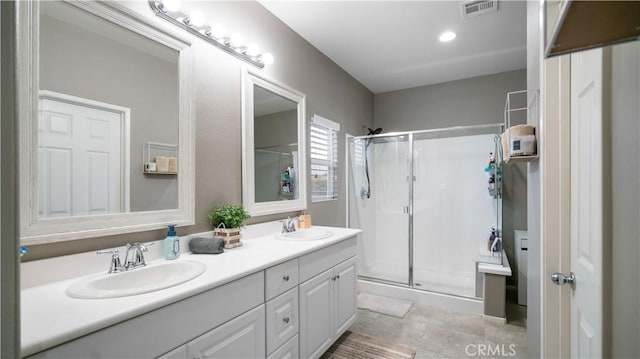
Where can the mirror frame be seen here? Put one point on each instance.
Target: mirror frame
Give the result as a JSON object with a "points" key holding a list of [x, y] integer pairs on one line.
{"points": [[36, 230], [249, 79]]}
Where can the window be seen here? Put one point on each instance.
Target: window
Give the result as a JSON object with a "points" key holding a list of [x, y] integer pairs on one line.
{"points": [[324, 159]]}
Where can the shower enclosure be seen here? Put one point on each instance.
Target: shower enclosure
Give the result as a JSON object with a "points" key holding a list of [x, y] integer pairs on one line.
{"points": [[426, 202]]}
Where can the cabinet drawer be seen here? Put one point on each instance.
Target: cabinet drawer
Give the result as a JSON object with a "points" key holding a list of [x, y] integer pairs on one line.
{"points": [[288, 350], [281, 278], [282, 319], [326, 258]]}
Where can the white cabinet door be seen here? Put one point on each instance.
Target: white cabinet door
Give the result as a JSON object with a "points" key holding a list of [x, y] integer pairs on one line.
{"points": [[282, 319], [345, 296], [243, 337], [178, 353], [316, 302], [288, 350]]}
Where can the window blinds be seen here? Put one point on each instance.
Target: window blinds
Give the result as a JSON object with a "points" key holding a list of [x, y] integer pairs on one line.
{"points": [[324, 159]]}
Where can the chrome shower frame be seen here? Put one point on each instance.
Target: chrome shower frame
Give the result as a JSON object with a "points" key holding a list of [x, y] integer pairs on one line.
{"points": [[411, 135]]}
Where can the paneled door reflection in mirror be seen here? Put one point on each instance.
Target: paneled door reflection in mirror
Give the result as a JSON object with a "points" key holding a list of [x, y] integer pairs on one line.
{"points": [[104, 92], [275, 146]]}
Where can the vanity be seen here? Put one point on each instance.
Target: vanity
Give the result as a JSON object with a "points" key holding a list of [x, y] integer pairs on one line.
{"points": [[271, 298], [268, 299]]}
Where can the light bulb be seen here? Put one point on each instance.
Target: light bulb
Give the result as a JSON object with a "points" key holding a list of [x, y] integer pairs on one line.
{"points": [[171, 5], [196, 18], [253, 49], [237, 40], [267, 58], [218, 31], [447, 36]]}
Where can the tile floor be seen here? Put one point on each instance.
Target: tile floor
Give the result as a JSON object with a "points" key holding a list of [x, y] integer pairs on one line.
{"points": [[436, 333]]}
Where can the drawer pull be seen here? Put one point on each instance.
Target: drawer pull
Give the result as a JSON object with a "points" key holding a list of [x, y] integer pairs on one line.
{"points": [[335, 277], [285, 278], [286, 320]]}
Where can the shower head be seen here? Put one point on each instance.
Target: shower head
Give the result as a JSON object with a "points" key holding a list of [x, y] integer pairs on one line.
{"points": [[377, 131]]}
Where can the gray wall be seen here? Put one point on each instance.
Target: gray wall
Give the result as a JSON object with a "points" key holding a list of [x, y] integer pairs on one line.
{"points": [[478, 100], [534, 284], [73, 61], [273, 133], [474, 101], [276, 129], [625, 191], [330, 92], [9, 189]]}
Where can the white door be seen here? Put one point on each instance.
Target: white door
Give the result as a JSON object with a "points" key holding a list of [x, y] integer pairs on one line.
{"points": [[243, 337], [81, 158], [345, 296], [316, 302], [586, 203]]}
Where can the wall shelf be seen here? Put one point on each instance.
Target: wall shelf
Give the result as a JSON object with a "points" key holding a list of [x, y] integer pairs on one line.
{"points": [[153, 150], [160, 173], [523, 158], [530, 109]]}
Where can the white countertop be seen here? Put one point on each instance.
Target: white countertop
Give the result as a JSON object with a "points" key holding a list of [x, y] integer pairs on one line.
{"points": [[494, 268], [49, 317]]}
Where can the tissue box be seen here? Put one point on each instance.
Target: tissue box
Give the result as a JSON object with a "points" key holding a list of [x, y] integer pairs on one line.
{"points": [[173, 165], [522, 145], [162, 164], [513, 132]]}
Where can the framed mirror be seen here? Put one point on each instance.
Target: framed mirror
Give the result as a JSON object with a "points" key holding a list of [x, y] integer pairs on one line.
{"points": [[106, 122], [274, 151]]}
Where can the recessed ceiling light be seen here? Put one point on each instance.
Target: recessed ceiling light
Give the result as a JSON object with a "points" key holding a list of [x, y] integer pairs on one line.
{"points": [[447, 36]]}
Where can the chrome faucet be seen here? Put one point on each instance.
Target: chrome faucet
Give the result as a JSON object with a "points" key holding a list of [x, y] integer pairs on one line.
{"points": [[134, 258], [115, 266], [288, 225]]}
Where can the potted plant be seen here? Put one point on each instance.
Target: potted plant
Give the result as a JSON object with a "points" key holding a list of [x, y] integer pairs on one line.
{"points": [[228, 220]]}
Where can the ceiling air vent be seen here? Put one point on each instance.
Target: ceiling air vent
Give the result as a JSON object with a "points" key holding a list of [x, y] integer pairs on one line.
{"points": [[479, 7]]}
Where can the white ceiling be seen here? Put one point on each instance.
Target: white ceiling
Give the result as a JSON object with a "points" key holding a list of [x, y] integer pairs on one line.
{"points": [[391, 45]]}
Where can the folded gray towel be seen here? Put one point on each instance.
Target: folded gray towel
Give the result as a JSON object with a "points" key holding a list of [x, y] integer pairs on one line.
{"points": [[200, 245]]}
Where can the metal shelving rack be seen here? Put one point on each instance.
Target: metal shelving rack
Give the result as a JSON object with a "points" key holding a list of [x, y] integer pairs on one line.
{"points": [[157, 148], [531, 108]]}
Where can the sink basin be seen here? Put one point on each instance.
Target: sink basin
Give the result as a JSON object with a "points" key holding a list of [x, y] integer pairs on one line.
{"points": [[311, 234], [143, 280]]}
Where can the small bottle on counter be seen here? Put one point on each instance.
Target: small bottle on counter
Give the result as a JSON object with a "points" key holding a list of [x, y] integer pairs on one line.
{"points": [[171, 244], [492, 238]]}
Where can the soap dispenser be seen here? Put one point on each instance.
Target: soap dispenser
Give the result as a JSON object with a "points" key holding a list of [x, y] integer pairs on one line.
{"points": [[492, 239], [171, 244]]}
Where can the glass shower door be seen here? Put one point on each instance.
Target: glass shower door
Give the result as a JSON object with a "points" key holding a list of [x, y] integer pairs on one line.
{"points": [[453, 211], [379, 205]]}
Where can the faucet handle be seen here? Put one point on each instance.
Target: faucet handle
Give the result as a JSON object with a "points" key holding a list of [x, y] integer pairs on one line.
{"points": [[141, 246], [116, 265]]}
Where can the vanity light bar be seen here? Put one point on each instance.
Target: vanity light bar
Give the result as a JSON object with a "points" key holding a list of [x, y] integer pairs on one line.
{"points": [[194, 23]]}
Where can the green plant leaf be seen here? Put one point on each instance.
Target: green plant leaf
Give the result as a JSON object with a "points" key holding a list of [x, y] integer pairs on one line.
{"points": [[232, 215]]}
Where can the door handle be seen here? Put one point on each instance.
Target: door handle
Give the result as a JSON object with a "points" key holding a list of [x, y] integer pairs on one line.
{"points": [[561, 279]]}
